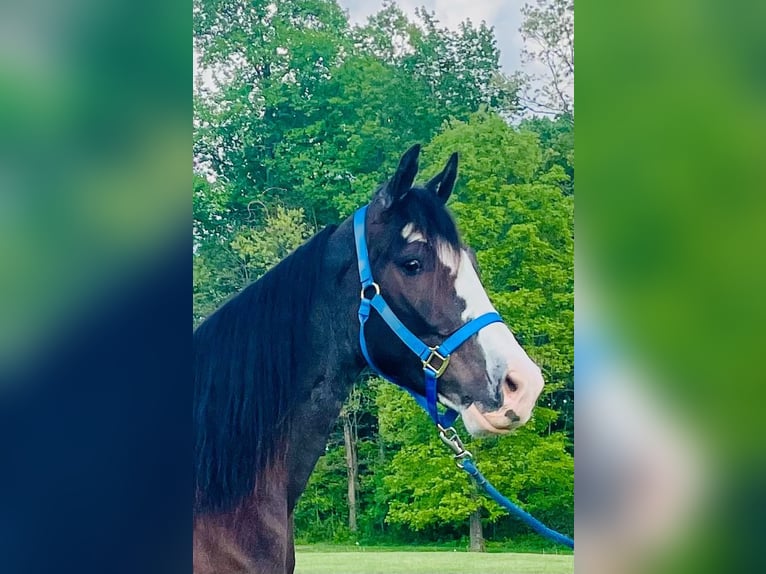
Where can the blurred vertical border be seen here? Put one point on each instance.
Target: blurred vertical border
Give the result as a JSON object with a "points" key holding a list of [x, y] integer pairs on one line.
{"points": [[670, 313], [95, 253]]}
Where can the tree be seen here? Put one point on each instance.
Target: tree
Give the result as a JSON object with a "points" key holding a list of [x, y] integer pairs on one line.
{"points": [[557, 141], [427, 493], [511, 207], [226, 263], [263, 62], [476, 532], [349, 419], [548, 33], [459, 68]]}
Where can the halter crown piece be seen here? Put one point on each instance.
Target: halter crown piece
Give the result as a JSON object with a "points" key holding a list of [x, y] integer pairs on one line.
{"points": [[435, 359]]}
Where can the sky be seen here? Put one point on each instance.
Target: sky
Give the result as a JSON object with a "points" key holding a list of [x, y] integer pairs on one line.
{"points": [[503, 15]]}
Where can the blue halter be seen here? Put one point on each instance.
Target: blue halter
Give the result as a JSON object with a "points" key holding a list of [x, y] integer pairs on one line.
{"points": [[435, 359]]}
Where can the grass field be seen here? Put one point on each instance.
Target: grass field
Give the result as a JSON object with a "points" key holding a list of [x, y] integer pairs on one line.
{"points": [[440, 562]]}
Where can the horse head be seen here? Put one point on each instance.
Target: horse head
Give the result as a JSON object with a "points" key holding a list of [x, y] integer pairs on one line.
{"points": [[429, 280]]}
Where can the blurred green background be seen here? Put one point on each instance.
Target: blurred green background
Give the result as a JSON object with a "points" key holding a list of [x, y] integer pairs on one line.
{"points": [[670, 223], [94, 133]]}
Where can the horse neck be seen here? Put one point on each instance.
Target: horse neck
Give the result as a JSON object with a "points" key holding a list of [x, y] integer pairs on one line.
{"points": [[257, 535], [335, 361]]}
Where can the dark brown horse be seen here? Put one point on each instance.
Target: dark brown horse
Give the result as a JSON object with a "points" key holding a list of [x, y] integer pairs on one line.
{"points": [[273, 365]]}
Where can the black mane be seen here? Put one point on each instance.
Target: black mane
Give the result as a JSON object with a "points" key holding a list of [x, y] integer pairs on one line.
{"points": [[243, 371]]}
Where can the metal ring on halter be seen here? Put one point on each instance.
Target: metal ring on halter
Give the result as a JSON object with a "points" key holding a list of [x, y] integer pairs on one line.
{"points": [[374, 286]]}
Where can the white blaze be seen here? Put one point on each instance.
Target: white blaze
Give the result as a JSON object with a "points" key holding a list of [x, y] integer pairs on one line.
{"points": [[412, 235], [502, 353]]}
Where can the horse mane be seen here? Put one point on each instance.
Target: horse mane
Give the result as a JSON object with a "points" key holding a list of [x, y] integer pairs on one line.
{"points": [[244, 376]]}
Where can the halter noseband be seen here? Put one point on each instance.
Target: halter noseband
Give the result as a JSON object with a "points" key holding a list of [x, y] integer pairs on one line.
{"points": [[435, 359]]}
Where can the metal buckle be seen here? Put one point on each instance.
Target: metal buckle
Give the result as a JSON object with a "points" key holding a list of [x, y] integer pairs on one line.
{"points": [[450, 437], [374, 286], [437, 371]]}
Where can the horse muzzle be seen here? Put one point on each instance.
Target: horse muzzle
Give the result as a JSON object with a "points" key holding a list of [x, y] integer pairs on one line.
{"points": [[519, 391]]}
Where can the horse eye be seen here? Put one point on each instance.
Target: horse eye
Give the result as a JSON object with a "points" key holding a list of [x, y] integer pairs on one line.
{"points": [[411, 267]]}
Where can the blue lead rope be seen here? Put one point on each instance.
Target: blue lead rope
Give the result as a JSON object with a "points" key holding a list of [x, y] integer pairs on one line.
{"points": [[468, 466], [372, 299]]}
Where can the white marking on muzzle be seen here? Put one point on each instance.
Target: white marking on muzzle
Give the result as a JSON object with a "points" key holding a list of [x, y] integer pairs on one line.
{"points": [[503, 355]]}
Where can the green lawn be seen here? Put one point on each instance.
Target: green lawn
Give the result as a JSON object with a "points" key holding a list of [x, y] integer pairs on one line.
{"points": [[439, 562]]}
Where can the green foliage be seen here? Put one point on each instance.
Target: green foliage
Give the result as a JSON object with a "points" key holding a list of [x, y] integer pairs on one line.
{"points": [[299, 108], [261, 249], [298, 117], [425, 489], [527, 262], [321, 515], [227, 263], [557, 141]]}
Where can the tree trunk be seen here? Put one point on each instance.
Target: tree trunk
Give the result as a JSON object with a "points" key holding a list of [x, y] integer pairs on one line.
{"points": [[352, 470], [381, 450], [477, 535]]}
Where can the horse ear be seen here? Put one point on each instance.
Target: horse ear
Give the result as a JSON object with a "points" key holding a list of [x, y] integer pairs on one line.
{"points": [[443, 183], [398, 186]]}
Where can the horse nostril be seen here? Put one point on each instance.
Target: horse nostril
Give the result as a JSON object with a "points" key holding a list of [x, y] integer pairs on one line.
{"points": [[511, 415], [511, 383]]}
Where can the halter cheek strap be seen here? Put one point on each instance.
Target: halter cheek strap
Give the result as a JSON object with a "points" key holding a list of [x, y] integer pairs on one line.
{"points": [[435, 359]]}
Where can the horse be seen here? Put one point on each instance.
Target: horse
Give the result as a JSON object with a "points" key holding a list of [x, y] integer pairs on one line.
{"points": [[273, 365]]}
